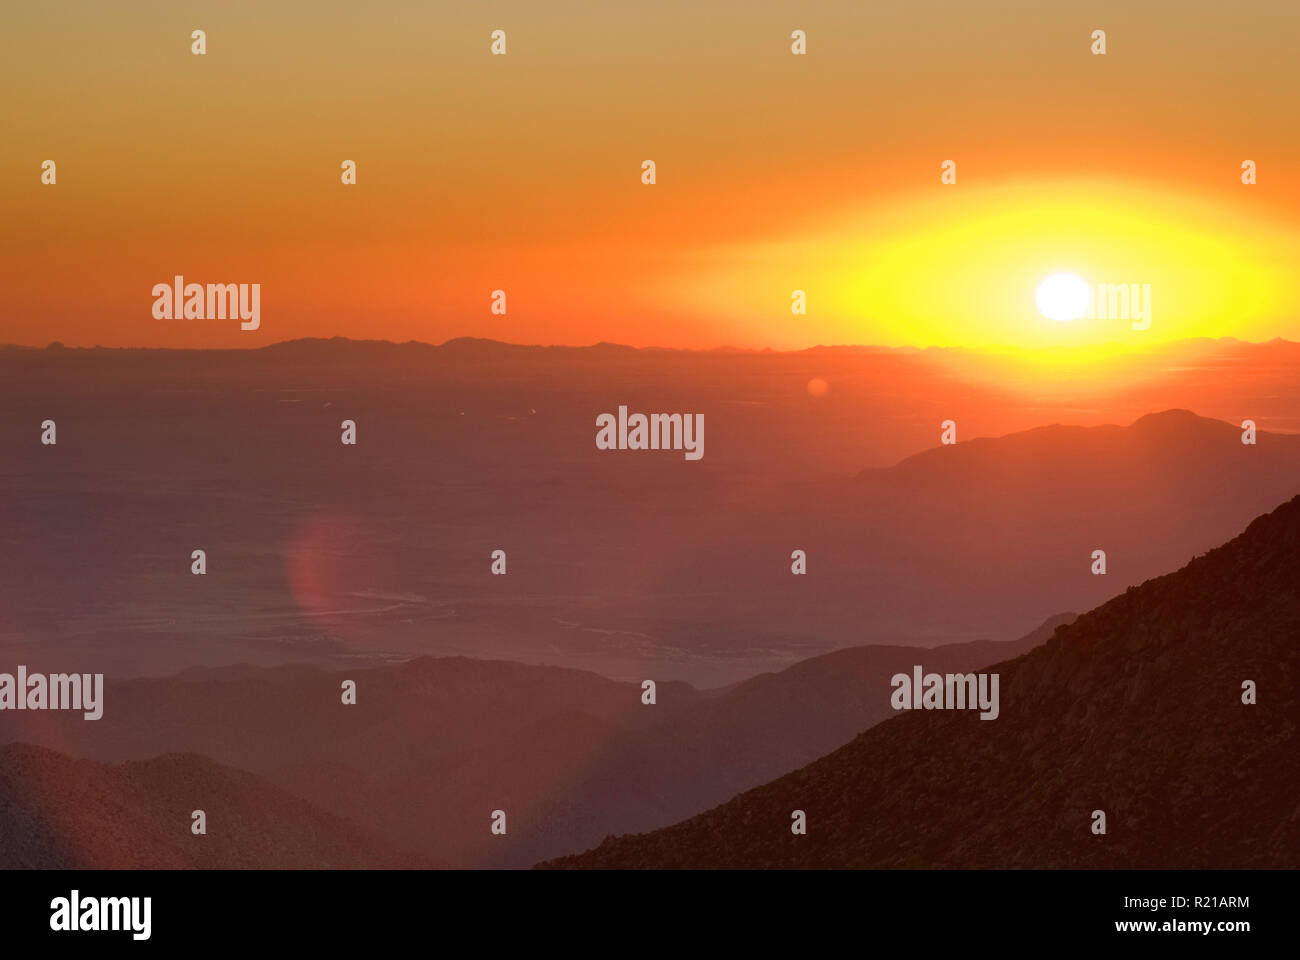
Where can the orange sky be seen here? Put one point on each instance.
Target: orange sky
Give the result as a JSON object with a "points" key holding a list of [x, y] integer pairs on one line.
{"points": [[775, 172]]}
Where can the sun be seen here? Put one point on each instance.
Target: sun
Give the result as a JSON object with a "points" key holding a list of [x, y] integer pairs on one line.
{"points": [[1063, 297]]}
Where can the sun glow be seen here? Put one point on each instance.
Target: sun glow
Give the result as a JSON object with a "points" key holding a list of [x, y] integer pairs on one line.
{"points": [[1063, 297], [955, 268]]}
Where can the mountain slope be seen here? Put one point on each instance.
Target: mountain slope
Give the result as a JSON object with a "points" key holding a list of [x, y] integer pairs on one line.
{"points": [[60, 813], [1134, 709], [776, 721]]}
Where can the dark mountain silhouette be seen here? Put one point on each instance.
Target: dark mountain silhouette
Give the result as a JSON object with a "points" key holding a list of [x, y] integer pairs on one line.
{"points": [[1135, 709], [434, 745], [60, 813]]}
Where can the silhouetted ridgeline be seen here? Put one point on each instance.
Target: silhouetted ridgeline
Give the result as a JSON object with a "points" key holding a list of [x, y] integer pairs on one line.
{"points": [[1134, 709]]}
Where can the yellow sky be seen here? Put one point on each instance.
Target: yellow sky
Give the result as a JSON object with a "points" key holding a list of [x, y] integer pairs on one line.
{"points": [[960, 267]]}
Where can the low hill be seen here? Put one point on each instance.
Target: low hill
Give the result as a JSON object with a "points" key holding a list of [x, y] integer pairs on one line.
{"points": [[61, 813]]}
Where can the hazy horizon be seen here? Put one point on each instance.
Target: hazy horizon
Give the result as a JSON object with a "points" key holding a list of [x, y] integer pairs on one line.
{"points": [[987, 348]]}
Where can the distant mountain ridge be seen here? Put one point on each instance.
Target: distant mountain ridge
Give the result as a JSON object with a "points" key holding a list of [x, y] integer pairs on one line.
{"points": [[473, 343], [1174, 431]]}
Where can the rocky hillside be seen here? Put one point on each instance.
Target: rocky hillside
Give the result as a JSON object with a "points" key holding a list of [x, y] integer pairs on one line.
{"points": [[1135, 709]]}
